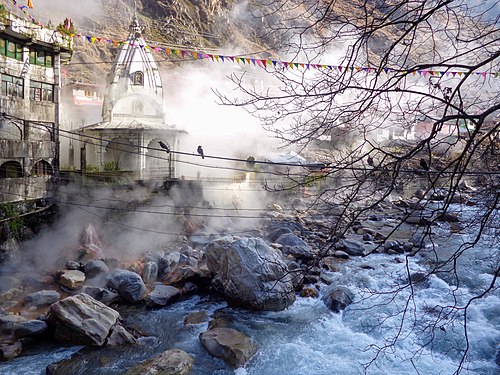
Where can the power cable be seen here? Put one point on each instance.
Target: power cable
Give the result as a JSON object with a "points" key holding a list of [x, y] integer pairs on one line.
{"points": [[328, 166], [80, 206], [305, 165]]}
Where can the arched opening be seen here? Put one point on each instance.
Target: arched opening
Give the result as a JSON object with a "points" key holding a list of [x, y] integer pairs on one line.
{"points": [[158, 162], [11, 169], [42, 168], [138, 78]]}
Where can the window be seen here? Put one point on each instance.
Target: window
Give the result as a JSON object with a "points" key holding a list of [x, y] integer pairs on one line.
{"points": [[12, 86], [139, 78], [41, 58], [42, 168], [41, 92], [137, 107], [11, 49]]}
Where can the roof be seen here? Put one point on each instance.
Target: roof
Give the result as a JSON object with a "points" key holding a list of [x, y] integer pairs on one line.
{"points": [[290, 158], [128, 123]]}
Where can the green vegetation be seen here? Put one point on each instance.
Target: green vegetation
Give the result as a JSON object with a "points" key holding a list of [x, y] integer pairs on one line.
{"points": [[15, 222], [111, 166], [91, 168]]}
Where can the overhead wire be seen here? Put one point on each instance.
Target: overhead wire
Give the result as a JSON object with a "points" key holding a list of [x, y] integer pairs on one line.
{"points": [[107, 219], [314, 166], [280, 174]]}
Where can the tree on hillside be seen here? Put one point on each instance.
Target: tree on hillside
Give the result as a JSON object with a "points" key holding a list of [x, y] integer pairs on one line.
{"points": [[409, 100]]}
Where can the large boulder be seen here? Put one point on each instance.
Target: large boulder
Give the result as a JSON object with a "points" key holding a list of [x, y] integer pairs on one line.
{"points": [[337, 298], [249, 273], [82, 319], [295, 246], [171, 362], [128, 284], [352, 247], [232, 346]]}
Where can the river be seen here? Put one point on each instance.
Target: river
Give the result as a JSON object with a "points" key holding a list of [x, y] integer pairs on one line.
{"points": [[307, 338]]}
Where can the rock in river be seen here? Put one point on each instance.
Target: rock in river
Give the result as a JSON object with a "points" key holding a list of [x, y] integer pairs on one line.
{"points": [[234, 347], [162, 295], [82, 319], [171, 362], [249, 273], [128, 284], [337, 298]]}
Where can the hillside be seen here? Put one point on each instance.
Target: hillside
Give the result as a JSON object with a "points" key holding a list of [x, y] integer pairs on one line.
{"points": [[208, 25]]}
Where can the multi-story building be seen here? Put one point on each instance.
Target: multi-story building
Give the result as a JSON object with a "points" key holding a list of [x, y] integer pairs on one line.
{"points": [[30, 61]]}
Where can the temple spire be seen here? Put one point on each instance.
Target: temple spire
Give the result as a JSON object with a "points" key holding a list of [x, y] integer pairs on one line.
{"points": [[135, 27]]}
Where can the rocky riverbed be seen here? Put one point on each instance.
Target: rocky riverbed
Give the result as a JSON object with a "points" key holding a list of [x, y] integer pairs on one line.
{"points": [[85, 299]]}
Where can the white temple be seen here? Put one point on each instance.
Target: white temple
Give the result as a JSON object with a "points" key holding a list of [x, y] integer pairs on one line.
{"points": [[133, 117]]}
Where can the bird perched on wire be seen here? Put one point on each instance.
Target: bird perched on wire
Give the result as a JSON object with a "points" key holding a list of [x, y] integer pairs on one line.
{"points": [[200, 151], [424, 165], [164, 146], [370, 160]]}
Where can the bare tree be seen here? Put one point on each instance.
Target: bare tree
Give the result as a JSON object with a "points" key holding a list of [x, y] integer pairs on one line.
{"points": [[407, 93]]}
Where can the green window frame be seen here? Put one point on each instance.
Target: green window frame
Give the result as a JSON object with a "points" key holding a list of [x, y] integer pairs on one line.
{"points": [[12, 86], [41, 58], [11, 49]]}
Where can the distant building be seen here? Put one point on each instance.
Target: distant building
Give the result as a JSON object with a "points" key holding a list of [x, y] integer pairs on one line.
{"points": [[133, 118], [82, 105], [30, 60]]}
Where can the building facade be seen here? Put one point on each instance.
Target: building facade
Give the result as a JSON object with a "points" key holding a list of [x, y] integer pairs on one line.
{"points": [[30, 60], [133, 118], [81, 105]]}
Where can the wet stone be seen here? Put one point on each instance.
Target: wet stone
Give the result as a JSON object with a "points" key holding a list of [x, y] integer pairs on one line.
{"points": [[10, 351], [162, 295], [232, 346], [309, 292], [196, 318], [170, 362]]}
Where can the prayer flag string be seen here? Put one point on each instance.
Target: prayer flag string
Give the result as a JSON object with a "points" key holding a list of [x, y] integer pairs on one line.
{"points": [[266, 63]]}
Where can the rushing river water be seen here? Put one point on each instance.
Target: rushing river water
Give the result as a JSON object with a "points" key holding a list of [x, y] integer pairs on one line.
{"points": [[307, 338]]}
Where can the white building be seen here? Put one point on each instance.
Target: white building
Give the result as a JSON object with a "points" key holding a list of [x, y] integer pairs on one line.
{"points": [[133, 118]]}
